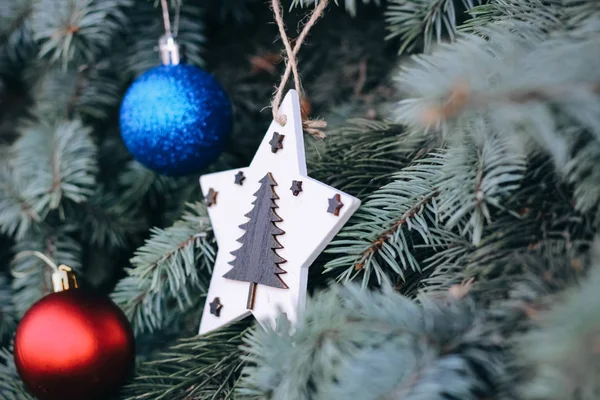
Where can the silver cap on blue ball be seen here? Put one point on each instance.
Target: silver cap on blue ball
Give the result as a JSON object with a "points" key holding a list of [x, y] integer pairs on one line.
{"points": [[169, 50]]}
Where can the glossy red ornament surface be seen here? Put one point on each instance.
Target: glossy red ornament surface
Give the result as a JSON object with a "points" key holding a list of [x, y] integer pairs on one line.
{"points": [[74, 344]]}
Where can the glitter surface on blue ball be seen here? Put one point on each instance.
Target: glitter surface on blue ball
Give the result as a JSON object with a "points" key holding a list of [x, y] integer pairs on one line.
{"points": [[175, 119]]}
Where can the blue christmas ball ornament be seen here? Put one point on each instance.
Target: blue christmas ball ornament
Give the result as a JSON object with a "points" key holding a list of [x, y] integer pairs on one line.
{"points": [[175, 119]]}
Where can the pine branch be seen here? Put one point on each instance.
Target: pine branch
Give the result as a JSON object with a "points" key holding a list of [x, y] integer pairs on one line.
{"points": [[446, 93], [104, 222], [32, 276], [349, 5], [580, 170], [414, 21], [363, 155], [90, 91], [540, 13], [77, 30], [540, 215], [201, 367], [12, 15], [432, 350], [11, 386], [57, 162], [165, 197], [560, 353], [17, 211], [475, 181], [389, 225], [168, 272], [8, 319]]}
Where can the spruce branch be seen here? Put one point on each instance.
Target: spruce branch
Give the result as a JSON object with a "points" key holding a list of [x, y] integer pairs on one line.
{"points": [[88, 91], [105, 223], [414, 21], [77, 29], [392, 221], [561, 351], [58, 162], [201, 367], [445, 91], [362, 155], [538, 218], [168, 272], [476, 180], [434, 349], [11, 386], [8, 317], [17, 211], [543, 14], [12, 15], [349, 5]]}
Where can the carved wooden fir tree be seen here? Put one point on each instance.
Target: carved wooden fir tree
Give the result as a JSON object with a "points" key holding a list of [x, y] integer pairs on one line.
{"points": [[257, 261]]}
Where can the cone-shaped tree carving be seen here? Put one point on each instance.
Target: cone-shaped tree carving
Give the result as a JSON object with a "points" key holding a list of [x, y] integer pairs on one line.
{"points": [[257, 261]]}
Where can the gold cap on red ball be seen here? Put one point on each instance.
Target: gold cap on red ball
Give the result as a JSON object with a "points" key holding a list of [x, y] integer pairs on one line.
{"points": [[64, 279]]}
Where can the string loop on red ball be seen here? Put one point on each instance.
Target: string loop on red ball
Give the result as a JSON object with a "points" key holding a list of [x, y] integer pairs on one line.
{"points": [[47, 260]]}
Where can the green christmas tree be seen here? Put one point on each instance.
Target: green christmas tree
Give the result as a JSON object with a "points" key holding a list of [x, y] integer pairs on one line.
{"points": [[468, 128]]}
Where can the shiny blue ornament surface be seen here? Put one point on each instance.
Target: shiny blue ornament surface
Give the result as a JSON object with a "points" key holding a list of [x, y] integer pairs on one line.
{"points": [[175, 119]]}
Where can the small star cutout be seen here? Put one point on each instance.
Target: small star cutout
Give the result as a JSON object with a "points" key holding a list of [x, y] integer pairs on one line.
{"points": [[211, 197], [240, 178], [335, 205], [276, 142], [215, 307], [296, 187]]}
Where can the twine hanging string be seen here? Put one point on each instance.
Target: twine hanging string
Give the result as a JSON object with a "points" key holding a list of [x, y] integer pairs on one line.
{"points": [[312, 127], [167, 20]]}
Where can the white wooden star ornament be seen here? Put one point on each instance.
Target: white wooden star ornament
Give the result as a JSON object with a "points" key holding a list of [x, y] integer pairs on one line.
{"points": [[271, 221]]}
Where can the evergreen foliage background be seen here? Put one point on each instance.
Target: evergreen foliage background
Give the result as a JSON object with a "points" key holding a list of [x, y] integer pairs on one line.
{"points": [[470, 130]]}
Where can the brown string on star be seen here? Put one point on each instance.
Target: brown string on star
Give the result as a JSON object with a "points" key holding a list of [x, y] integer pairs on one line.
{"points": [[312, 127]]}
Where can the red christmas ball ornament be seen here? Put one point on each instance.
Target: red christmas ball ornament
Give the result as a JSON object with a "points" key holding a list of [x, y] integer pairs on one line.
{"points": [[73, 344]]}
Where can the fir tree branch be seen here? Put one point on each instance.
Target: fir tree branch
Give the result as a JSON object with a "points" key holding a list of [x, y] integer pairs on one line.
{"points": [[201, 367], [411, 20], [17, 211], [389, 224], [12, 15], [432, 350], [11, 386], [349, 5], [8, 318], [77, 29], [105, 223], [88, 91], [363, 155], [444, 92], [57, 161], [477, 180], [168, 272], [560, 354]]}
